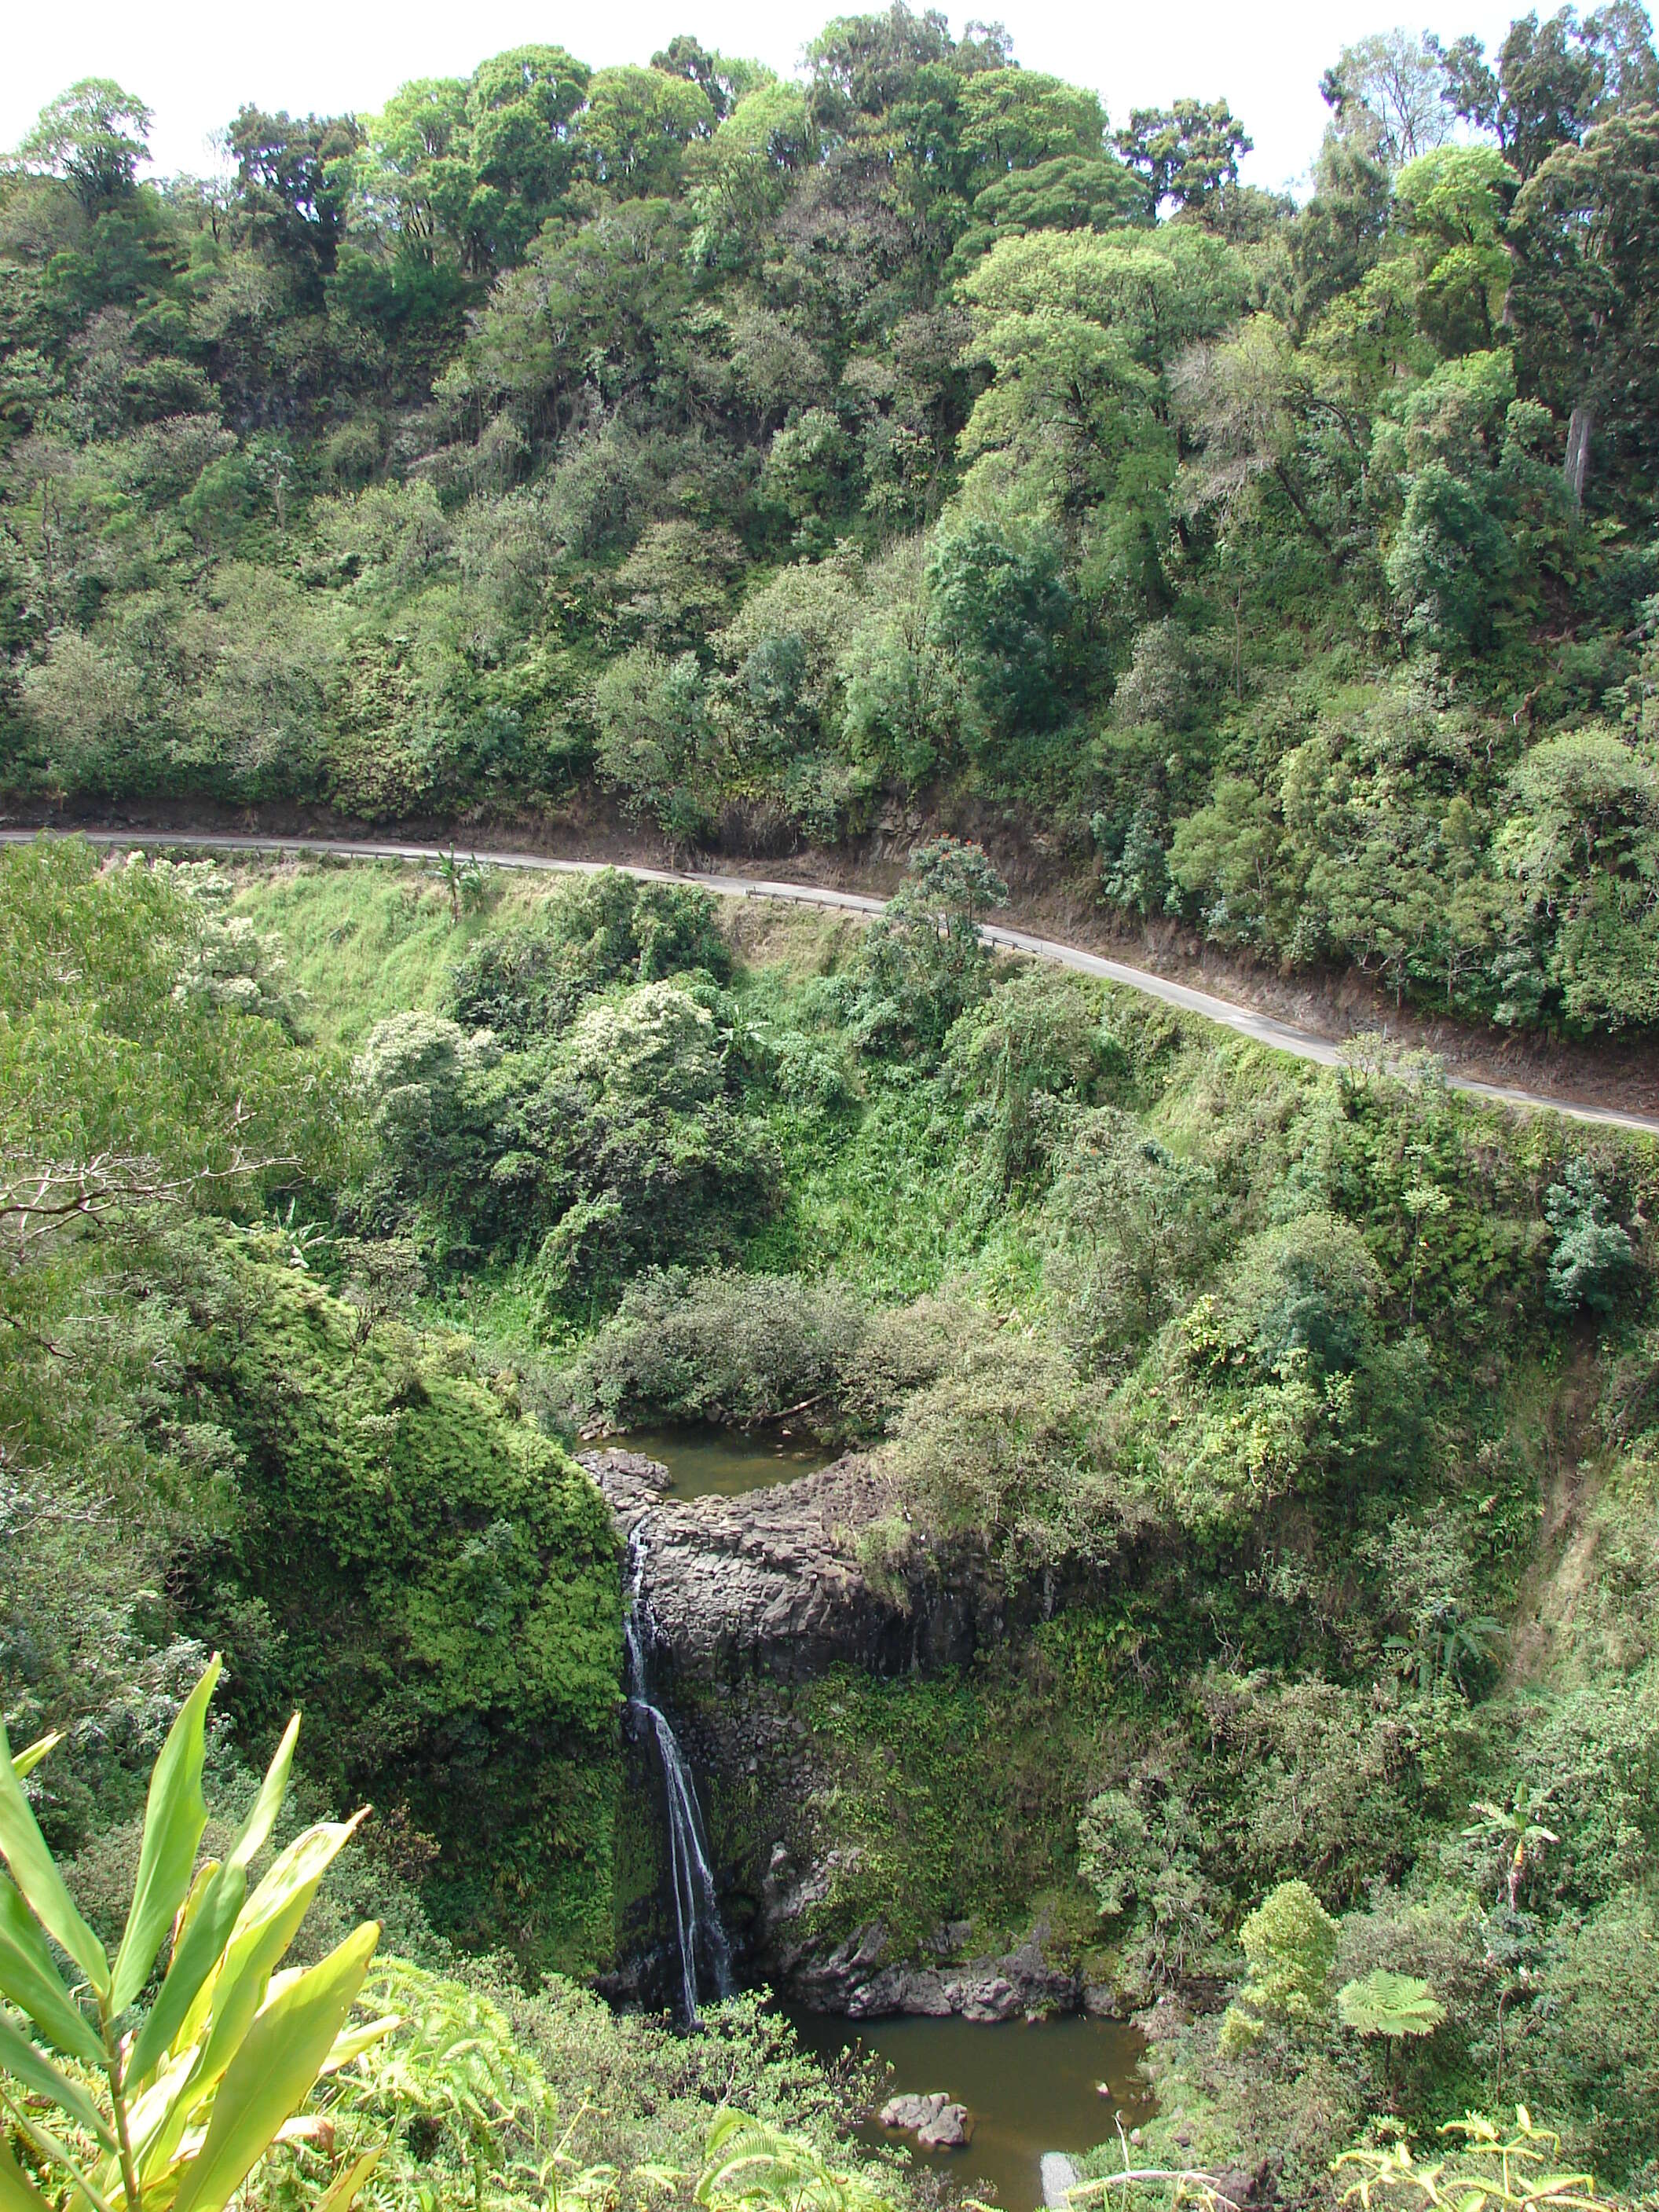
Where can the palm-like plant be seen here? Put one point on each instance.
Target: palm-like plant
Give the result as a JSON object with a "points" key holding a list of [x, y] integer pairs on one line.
{"points": [[463, 879], [1450, 1644], [1517, 1828], [1394, 2006], [170, 2112]]}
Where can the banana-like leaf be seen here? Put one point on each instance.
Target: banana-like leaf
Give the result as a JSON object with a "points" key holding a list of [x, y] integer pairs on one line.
{"points": [[17, 2192], [30, 1980], [264, 1928], [256, 1829], [25, 1762], [205, 1921], [273, 2070], [174, 1817], [24, 1849], [209, 1915], [149, 2112], [20, 2058], [342, 2191], [241, 1982]]}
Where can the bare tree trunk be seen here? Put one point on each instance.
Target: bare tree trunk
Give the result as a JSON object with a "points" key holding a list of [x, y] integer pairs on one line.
{"points": [[1581, 429]]}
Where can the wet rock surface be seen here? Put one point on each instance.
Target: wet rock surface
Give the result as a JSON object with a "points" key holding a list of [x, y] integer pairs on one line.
{"points": [[860, 1979], [1059, 2177], [772, 1579], [935, 2122], [745, 1599], [627, 1473]]}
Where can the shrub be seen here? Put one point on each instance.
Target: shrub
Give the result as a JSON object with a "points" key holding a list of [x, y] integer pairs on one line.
{"points": [[1291, 1942], [1592, 1260], [720, 1347]]}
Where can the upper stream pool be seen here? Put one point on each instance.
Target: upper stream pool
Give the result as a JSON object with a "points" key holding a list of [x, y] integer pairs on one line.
{"points": [[710, 1462], [1030, 2086]]}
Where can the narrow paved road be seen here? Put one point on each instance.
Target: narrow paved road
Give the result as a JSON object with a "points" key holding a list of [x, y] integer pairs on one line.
{"points": [[1262, 1028]]}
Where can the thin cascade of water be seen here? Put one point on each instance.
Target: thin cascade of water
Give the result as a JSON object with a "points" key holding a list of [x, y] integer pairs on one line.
{"points": [[697, 1924]]}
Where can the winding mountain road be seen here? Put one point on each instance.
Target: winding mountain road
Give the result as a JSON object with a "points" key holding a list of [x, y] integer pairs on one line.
{"points": [[1262, 1028]]}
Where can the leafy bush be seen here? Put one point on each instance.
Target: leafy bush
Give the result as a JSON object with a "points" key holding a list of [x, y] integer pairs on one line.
{"points": [[528, 981], [722, 1347], [615, 1146], [924, 962], [1592, 1260], [1290, 1941]]}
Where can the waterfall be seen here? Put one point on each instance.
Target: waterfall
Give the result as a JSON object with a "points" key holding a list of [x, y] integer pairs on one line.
{"points": [[697, 1924]]}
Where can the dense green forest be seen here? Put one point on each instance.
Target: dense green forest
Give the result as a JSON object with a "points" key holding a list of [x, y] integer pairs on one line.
{"points": [[339, 1198], [905, 444], [904, 457]]}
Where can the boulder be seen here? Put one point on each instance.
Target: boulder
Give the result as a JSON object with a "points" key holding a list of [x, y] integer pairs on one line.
{"points": [[951, 2128], [1058, 2176], [933, 2120]]}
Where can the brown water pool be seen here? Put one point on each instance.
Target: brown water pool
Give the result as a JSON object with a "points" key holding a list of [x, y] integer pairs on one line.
{"points": [[1031, 2087], [710, 1463]]}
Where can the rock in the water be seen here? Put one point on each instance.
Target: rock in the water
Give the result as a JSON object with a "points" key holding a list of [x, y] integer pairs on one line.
{"points": [[1058, 2175], [912, 2112], [934, 2120], [950, 2129]]}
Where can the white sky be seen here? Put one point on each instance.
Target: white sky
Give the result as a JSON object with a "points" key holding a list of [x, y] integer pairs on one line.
{"points": [[194, 62]]}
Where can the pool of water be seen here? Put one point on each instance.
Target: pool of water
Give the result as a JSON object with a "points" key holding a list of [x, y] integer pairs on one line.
{"points": [[1031, 2087], [710, 1462]]}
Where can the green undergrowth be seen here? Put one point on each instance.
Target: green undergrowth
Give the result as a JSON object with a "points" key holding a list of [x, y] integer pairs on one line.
{"points": [[1288, 1433], [425, 1574], [367, 939]]}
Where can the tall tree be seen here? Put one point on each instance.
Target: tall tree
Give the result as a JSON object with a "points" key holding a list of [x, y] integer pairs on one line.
{"points": [[1584, 300], [93, 135]]}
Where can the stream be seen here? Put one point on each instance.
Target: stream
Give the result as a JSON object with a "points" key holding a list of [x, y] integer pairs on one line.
{"points": [[1030, 2086]]}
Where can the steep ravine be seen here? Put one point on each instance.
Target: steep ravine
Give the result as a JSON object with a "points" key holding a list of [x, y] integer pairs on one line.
{"points": [[751, 1597]]}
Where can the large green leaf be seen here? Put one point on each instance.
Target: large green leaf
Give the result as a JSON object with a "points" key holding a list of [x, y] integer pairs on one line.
{"points": [[20, 2058], [215, 1916], [17, 2192], [25, 1762], [174, 1817], [342, 2191], [1389, 2004], [264, 1928], [24, 1849], [33, 1983], [152, 2109], [273, 2071], [256, 1829]]}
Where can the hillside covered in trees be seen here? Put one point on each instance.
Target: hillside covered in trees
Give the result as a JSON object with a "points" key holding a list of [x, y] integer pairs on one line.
{"points": [[907, 442], [1222, 1599]]}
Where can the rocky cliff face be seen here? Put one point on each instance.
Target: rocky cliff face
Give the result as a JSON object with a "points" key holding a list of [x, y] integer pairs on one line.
{"points": [[775, 1582], [744, 1597]]}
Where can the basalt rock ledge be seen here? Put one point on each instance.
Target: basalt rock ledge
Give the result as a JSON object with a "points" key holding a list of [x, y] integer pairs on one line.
{"points": [[776, 1581]]}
